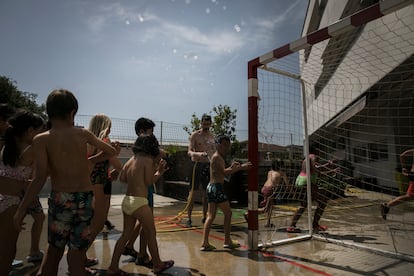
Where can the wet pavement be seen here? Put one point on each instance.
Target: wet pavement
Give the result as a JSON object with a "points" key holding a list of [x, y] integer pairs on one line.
{"points": [[352, 220]]}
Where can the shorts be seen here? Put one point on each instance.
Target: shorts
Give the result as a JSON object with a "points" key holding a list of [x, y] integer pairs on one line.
{"points": [[202, 175], [69, 218], [302, 179], [410, 190], [99, 175], [215, 193], [132, 203], [267, 193], [150, 196], [35, 207]]}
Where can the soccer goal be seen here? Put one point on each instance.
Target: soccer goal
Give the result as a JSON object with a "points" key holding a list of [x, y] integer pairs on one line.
{"points": [[348, 90]]}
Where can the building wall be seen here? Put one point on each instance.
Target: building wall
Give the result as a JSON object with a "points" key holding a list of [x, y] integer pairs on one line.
{"points": [[373, 52], [361, 60]]}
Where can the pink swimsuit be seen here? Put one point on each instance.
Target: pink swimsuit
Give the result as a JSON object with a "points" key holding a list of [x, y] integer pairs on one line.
{"points": [[18, 173]]}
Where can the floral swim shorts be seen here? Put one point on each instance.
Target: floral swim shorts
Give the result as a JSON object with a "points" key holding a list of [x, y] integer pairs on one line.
{"points": [[70, 216]]}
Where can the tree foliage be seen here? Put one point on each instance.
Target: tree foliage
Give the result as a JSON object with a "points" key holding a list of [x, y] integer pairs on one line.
{"points": [[10, 94], [223, 121]]}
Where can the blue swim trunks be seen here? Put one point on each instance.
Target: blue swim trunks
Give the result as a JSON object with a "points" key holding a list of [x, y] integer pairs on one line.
{"points": [[215, 193], [69, 218], [150, 196]]}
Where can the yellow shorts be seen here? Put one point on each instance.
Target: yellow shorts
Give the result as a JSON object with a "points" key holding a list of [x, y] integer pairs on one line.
{"points": [[131, 203]]}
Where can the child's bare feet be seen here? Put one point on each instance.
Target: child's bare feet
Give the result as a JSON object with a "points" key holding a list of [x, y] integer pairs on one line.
{"points": [[163, 266]]}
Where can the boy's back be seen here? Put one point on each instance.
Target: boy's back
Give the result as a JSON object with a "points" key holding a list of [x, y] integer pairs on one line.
{"points": [[61, 153], [64, 152]]}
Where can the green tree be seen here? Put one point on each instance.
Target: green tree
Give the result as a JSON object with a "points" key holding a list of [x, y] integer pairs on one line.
{"points": [[9, 93], [223, 122]]}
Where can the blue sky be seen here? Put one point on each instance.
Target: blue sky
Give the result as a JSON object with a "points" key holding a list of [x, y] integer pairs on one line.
{"points": [[163, 59]]}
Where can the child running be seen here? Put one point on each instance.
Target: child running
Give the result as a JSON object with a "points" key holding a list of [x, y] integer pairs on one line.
{"points": [[385, 207], [215, 193], [61, 153], [138, 173]]}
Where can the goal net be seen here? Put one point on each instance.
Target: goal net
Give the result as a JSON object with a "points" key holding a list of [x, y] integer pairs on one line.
{"points": [[346, 94]]}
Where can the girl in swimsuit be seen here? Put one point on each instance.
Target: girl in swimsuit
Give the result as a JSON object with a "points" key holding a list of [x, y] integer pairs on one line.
{"points": [[16, 164], [100, 125]]}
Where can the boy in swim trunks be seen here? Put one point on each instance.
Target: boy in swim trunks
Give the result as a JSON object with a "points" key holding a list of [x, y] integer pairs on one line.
{"points": [[385, 207], [138, 173], [215, 193], [61, 153]]}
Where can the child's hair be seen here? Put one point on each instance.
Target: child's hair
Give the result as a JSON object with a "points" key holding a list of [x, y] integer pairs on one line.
{"points": [[18, 125], [147, 144], [6, 111], [143, 124], [206, 117], [60, 103], [99, 125]]}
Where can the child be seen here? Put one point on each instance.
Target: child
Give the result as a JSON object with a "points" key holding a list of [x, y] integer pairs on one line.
{"points": [[274, 178], [316, 194], [61, 152], [144, 126], [100, 126], [215, 193], [16, 163], [385, 207], [138, 173]]}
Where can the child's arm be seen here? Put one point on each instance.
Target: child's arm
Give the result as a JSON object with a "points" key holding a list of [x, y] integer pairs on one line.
{"points": [[161, 169], [285, 178], [123, 174], [40, 176], [402, 161], [115, 163], [236, 166], [149, 168], [108, 150]]}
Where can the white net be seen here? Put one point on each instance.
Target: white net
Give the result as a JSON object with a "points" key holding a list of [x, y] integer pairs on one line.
{"points": [[359, 95]]}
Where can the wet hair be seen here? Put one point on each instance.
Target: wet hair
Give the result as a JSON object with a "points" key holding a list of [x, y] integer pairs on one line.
{"points": [[143, 124], [6, 111], [206, 117], [221, 138], [60, 103], [99, 125], [147, 144], [18, 125]]}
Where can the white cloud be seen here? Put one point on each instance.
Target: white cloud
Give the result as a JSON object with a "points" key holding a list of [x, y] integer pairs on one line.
{"points": [[216, 42]]}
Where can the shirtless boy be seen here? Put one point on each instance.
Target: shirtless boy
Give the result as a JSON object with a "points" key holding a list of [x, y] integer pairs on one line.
{"points": [[274, 178], [61, 153], [215, 193]]}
